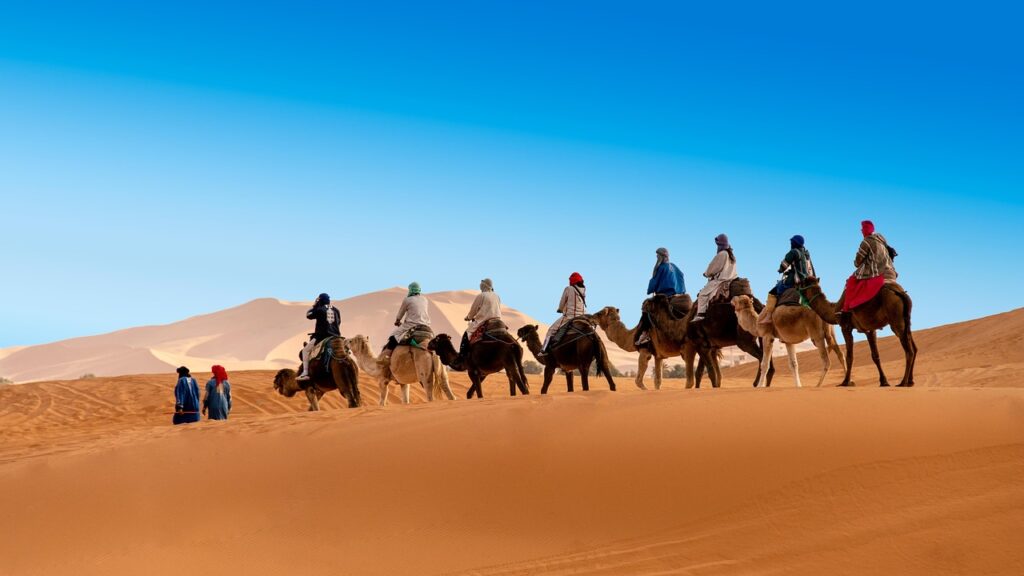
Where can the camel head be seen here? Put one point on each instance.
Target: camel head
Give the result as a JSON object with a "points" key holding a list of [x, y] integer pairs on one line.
{"points": [[441, 343], [606, 316], [743, 303], [285, 383], [528, 331], [360, 345]]}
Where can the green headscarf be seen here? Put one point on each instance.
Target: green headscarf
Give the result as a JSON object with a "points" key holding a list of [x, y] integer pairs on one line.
{"points": [[414, 289]]}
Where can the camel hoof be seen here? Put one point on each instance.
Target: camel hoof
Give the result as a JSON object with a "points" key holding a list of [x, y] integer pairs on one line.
{"points": [[846, 385], [902, 385], [883, 385]]}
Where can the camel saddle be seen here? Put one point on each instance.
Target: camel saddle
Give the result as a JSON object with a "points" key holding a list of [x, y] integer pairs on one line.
{"points": [[320, 348], [573, 325], [493, 327], [791, 297], [417, 336]]}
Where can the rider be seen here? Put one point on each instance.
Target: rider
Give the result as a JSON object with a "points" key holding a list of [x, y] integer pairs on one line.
{"points": [[486, 306], [328, 323], [412, 313], [721, 271], [874, 268], [796, 266], [572, 305], [667, 279]]}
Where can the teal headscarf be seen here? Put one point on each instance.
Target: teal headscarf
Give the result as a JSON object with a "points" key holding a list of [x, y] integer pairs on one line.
{"points": [[414, 289]]}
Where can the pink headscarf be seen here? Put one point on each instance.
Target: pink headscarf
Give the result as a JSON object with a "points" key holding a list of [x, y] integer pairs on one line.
{"points": [[867, 228]]}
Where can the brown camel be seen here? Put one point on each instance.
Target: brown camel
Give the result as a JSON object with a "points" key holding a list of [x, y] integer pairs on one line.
{"points": [[339, 374], [608, 319], [705, 339], [406, 365], [890, 307], [579, 347], [488, 355], [791, 325]]}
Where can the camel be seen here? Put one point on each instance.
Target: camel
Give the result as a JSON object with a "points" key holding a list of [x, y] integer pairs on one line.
{"points": [[890, 307], [341, 375], [608, 319], [706, 338], [408, 364], [484, 357], [791, 325], [579, 347]]}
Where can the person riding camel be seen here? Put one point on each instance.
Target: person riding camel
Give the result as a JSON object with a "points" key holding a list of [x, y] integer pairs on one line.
{"points": [[796, 267], [874, 268], [486, 306], [328, 323], [412, 313], [572, 305], [667, 279], [721, 271]]}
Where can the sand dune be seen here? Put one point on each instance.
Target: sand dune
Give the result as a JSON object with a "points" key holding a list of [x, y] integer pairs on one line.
{"points": [[93, 480], [260, 335]]}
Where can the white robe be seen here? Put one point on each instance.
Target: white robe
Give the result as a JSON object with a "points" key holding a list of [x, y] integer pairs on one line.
{"points": [[413, 312], [486, 306], [721, 270]]}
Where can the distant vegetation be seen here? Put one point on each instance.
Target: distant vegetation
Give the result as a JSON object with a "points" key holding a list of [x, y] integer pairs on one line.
{"points": [[87, 376], [675, 371], [6, 380], [531, 367], [611, 368]]}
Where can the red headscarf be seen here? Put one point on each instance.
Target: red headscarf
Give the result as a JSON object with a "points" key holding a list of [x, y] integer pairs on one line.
{"points": [[219, 374], [867, 228], [575, 279]]}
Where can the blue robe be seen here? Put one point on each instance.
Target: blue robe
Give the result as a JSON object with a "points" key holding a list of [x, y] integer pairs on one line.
{"points": [[668, 280], [218, 404], [186, 401]]}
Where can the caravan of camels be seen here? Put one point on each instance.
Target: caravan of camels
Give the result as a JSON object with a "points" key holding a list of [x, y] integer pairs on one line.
{"points": [[672, 325]]}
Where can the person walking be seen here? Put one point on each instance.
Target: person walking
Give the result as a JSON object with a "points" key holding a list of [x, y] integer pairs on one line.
{"points": [[217, 401]]}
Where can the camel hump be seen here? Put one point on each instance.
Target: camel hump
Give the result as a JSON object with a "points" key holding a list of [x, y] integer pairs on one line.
{"points": [[494, 329], [417, 336], [740, 287]]}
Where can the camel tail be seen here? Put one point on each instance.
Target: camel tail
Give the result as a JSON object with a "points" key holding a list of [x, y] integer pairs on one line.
{"points": [[600, 355]]}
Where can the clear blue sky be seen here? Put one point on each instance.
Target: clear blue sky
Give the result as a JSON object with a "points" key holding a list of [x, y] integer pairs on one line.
{"points": [[163, 160]]}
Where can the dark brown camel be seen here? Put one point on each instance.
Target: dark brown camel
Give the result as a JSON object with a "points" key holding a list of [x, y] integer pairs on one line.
{"points": [[706, 339], [341, 374], [890, 307], [486, 356], [579, 347]]}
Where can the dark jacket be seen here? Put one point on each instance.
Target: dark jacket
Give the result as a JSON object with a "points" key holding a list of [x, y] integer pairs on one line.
{"points": [[328, 321], [797, 266], [186, 401]]}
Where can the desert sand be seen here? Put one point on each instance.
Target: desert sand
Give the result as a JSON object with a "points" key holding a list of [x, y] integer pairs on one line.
{"points": [[928, 480]]}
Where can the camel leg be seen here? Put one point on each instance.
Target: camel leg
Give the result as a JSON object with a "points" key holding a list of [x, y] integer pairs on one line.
{"points": [[570, 381], [848, 341], [641, 368], [826, 362], [830, 341], [549, 374], [910, 356], [767, 353], [524, 386], [441, 373], [475, 386], [688, 358], [314, 402], [659, 366], [383, 392], [873, 343], [405, 393], [794, 364], [585, 377], [750, 346]]}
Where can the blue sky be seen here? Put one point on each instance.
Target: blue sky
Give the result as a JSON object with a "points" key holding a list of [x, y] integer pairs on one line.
{"points": [[160, 161]]}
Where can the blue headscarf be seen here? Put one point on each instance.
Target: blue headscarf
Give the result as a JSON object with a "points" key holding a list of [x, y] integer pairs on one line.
{"points": [[796, 241]]}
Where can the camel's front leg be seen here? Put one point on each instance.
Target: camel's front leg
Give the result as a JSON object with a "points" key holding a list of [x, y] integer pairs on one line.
{"points": [[794, 364], [441, 373], [314, 401], [549, 375], [383, 384], [405, 393], [848, 341], [691, 370], [641, 368]]}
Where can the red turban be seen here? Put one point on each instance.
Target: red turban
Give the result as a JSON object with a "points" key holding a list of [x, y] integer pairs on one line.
{"points": [[219, 373], [575, 279], [867, 228]]}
